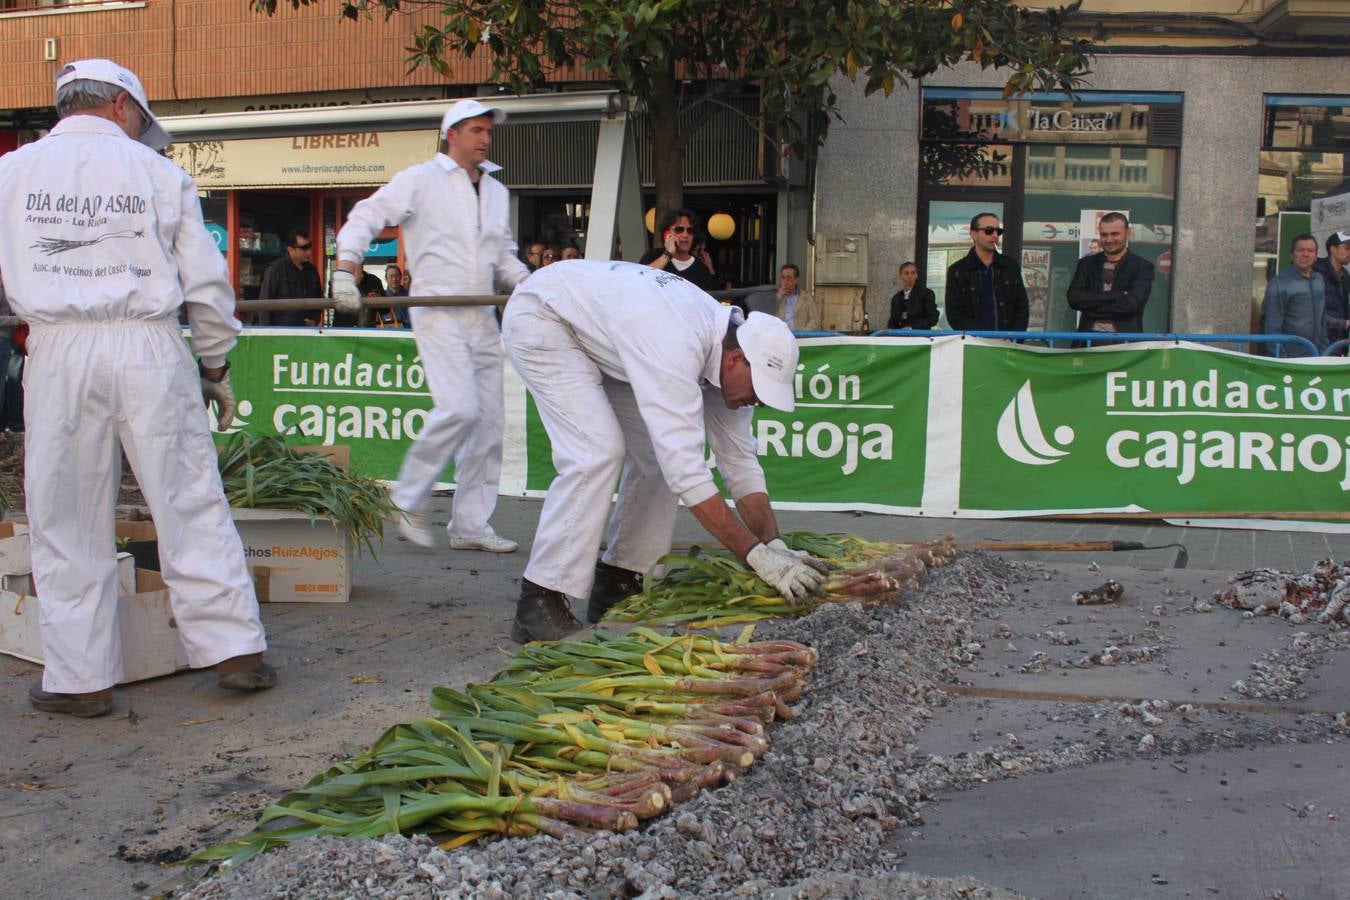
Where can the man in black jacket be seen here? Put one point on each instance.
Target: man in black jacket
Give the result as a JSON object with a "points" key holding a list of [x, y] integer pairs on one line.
{"points": [[1109, 289], [293, 277], [1335, 271], [913, 306], [984, 288]]}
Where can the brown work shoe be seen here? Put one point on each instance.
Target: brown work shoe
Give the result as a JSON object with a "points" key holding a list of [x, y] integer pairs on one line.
{"points": [[85, 706], [245, 673], [612, 586], [542, 615]]}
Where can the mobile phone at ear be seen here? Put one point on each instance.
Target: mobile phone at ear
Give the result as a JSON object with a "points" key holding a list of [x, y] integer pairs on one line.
{"points": [[664, 235]]}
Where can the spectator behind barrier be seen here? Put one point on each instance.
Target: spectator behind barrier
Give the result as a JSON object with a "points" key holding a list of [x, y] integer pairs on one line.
{"points": [[984, 288], [1295, 301], [913, 306], [1336, 284], [1110, 289]]}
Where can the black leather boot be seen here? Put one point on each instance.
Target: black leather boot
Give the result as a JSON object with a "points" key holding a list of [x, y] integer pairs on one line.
{"points": [[542, 615], [612, 584]]}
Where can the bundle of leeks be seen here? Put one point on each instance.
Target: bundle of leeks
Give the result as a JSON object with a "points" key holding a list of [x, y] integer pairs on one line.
{"points": [[593, 734], [710, 588]]}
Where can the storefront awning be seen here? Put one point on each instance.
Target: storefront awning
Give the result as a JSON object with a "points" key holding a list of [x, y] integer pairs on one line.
{"points": [[409, 116], [365, 146], [343, 146]]}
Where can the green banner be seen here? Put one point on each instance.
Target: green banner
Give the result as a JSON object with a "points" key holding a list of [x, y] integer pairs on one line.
{"points": [[365, 389], [1159, 428], [861, 408], [859, 427]]}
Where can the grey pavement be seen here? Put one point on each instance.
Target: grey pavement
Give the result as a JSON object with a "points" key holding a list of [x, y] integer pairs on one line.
{"points": [[1225, 825], [96, 806], [1246, 798]]}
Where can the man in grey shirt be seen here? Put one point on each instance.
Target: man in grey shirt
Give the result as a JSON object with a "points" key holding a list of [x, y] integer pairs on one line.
{"points": [[1295, 301]]}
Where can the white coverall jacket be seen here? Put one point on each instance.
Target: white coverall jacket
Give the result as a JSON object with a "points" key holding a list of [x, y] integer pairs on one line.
{"points": [[624, 362], [456, 241], [103, 241]]}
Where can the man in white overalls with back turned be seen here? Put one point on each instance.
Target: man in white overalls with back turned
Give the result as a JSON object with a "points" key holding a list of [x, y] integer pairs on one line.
{"points": [[103, 243]]}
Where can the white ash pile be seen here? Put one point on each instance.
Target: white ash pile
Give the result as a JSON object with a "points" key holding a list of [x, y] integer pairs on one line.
{"points": [[967, 770], [1281, 674], [1320, 595], [1164, 728], [834, 783]]}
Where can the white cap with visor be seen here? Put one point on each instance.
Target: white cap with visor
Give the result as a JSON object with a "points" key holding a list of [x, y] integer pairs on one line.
{"points": [[470, 109], [105, 70], [771, 349]]}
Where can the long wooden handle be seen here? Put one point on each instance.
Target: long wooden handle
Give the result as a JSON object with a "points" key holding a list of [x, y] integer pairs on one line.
{"points": [[371, 302], [1044, 546], [1085, 546], [463, 300]]}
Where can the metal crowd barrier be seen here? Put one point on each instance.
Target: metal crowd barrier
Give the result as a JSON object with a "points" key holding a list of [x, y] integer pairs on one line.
{"points": [[458, 300], [1051, 338]]}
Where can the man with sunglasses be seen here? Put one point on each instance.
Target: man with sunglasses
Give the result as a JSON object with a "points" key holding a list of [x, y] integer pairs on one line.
{"points": [[292, 277], [104, 243], [984, 288], [676, 253]]}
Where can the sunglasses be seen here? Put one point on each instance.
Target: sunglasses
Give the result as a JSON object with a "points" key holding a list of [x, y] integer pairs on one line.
{"points": [[302, 246], [145, 116], [681, 229], [989, 229]]}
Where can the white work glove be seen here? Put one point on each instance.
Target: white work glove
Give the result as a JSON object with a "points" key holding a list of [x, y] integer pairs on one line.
{"points": [[346, 297], [819, 565], [790, 576], [222, 395]]}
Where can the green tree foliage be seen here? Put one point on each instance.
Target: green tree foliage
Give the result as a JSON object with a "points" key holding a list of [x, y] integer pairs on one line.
{"points": [[687, 54]]}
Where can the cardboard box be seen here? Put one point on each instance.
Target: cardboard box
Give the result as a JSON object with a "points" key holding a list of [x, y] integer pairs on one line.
{"points": [[150, 644], [292, 559], [295, 560]]}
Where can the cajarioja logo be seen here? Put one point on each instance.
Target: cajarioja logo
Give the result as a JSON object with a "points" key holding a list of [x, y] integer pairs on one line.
{"points": [[242, 411], [1020, 435]]}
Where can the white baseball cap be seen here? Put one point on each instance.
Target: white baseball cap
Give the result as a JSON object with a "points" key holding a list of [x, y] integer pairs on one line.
{"points": [[154, 136], [771, 350], [470, 109]]}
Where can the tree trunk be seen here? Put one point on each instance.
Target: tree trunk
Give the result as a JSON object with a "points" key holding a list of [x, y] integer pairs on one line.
{"points": [[667, 145]]}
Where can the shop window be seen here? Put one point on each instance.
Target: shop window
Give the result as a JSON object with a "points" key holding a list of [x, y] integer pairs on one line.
{"points": [[1049, 165], [956, 164], [215, 213], [1061, 216], [264, 219], [1305, 156]]}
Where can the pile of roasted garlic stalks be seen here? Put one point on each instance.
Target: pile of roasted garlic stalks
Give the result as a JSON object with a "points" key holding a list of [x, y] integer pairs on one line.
{"points": [[596, 734], [707, 589]]}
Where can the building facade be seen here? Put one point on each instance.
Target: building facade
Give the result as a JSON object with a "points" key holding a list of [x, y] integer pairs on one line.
{"points": [[323, 76], [1215, 126]]}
